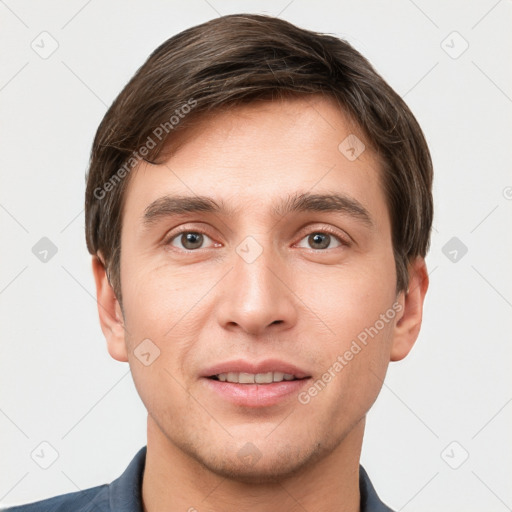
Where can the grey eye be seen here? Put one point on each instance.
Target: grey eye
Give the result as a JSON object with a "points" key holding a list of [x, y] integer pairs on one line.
{"points": [[319, 240], [189, 240]]}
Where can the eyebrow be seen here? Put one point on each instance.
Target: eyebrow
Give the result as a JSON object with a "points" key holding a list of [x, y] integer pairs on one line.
{"points": [[168, 206]]}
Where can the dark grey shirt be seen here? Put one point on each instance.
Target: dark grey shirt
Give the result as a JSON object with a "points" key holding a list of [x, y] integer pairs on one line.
{"points": [[124, 494]]}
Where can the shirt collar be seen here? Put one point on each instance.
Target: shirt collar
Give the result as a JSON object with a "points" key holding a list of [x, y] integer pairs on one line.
{"points": [[370, 501], [125, 493]]}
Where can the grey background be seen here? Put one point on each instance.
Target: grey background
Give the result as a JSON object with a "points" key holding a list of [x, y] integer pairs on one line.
{"points": [[450, 398]]}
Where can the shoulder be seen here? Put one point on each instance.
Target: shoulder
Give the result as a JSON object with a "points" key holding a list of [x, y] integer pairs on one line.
{"points": [[124, 494], [93, 499]]}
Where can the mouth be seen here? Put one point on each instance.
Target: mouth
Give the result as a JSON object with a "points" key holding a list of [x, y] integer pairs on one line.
{"points": [[255, 378], [250, 384]]}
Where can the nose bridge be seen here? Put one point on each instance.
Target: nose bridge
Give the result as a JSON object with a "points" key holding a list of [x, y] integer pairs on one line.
{"points": [[254, 298], [252, 271]]}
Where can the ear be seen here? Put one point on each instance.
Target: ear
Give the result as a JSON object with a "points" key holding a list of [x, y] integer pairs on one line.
{"points": [[408, 325], [111, 316]]}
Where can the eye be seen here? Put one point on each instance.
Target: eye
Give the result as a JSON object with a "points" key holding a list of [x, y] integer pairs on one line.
{"points": [[188, 240], [321, 240], [318, 240]]}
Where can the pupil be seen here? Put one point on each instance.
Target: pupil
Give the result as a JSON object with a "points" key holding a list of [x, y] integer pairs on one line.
{"points": [[319, 238], [192, 240]]}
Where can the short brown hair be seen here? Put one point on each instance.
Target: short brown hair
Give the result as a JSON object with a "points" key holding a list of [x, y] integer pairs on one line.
{"points": [[242, 58]]}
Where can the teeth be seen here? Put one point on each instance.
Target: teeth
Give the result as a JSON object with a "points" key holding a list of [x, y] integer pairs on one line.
{"points": [[254, 378], [278, 376], [263, 378], [245, 378]]}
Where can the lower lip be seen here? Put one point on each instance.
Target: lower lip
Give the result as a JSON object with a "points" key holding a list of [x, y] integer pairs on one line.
{"points": [[256, 395]]}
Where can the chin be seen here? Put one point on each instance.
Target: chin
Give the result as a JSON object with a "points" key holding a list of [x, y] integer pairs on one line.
{"points": [[249, 466]]}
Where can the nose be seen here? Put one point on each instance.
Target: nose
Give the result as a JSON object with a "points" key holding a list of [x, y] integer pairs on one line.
{"points": [[257, 296]]}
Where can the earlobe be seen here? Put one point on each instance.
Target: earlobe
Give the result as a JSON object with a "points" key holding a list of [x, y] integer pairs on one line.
{"points": [[408, 325], [110, 314]]}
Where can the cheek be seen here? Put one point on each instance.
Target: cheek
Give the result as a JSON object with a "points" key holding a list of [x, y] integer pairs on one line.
{"points": [[352, 378], [354, 308], [157, 299], [345, 301], [168, 307]]}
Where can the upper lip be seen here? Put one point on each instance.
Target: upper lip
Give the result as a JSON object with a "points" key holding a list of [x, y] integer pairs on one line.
{"points": [[265, 366]]}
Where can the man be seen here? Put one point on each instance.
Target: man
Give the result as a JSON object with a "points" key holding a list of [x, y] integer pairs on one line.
{"points": [[258, 208]]}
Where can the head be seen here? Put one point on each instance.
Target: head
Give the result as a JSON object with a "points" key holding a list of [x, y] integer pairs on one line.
{"points": [[258, 192]]}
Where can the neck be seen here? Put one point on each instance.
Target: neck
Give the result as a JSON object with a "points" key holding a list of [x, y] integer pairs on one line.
{"points": [[173, 481]]}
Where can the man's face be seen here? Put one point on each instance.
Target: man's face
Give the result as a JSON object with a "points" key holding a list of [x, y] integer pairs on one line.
{"points": [[254, 289]]}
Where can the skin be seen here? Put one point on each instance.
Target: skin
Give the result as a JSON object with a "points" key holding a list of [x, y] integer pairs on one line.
{"points": [[295, 302]]}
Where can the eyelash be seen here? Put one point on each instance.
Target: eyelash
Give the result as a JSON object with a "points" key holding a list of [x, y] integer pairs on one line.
{"points": [[343, 242]]}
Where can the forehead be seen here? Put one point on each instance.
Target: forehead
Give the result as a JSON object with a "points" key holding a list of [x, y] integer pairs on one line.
{"points": [[260, 152]]}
